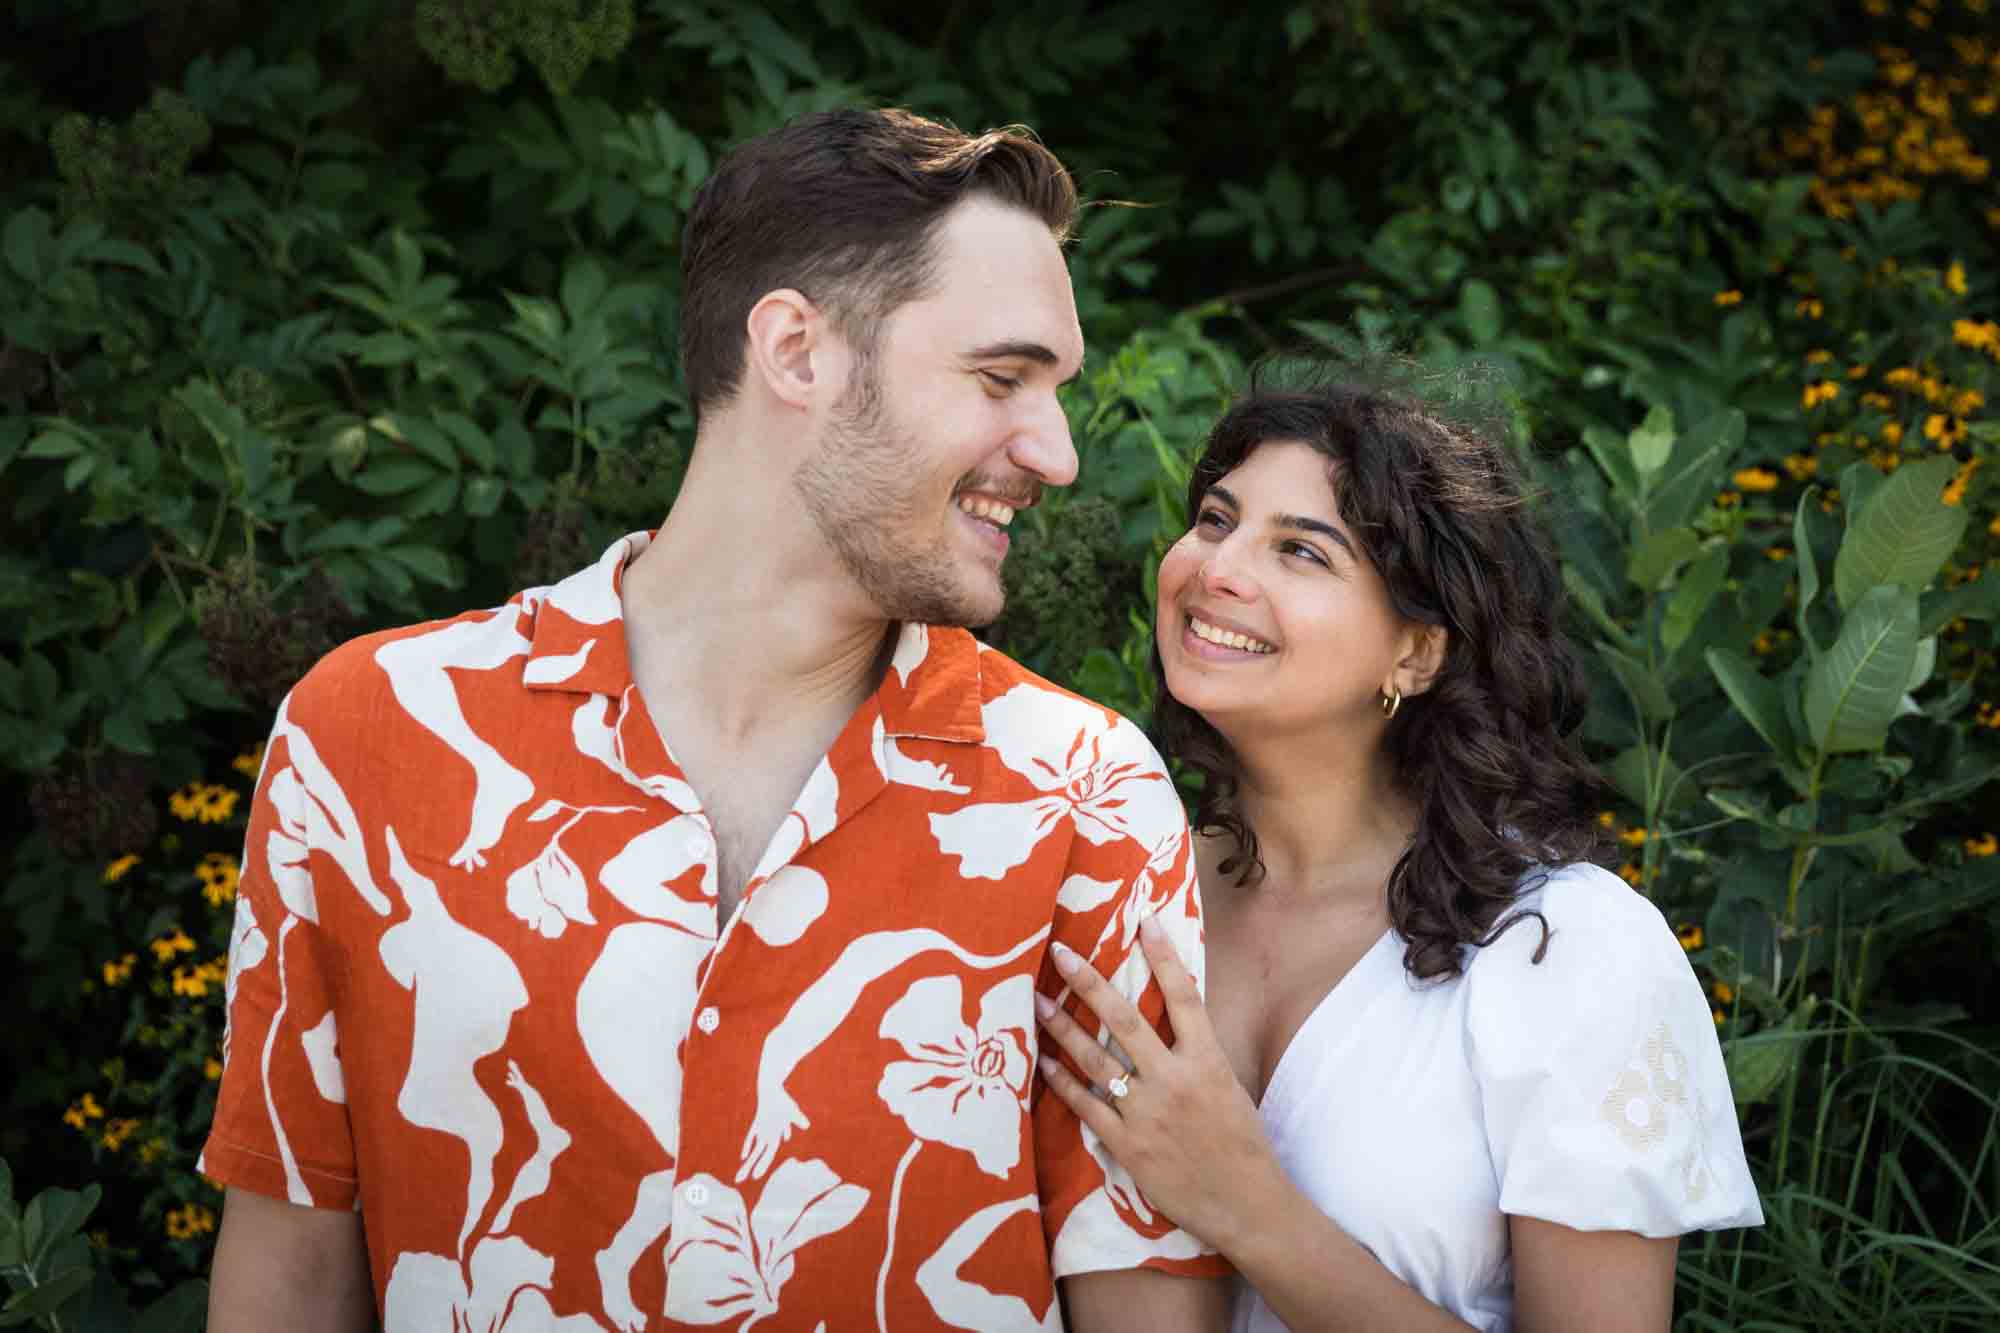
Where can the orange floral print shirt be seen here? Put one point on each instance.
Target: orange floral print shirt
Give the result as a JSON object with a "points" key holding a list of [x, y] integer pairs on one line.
{"points": [[479, 991]]}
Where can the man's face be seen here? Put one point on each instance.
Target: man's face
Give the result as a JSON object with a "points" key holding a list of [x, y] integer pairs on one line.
{"points": [[950, 423]]}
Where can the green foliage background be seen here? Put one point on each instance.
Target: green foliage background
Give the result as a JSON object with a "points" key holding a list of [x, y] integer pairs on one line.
{"points": [[319, 318]]}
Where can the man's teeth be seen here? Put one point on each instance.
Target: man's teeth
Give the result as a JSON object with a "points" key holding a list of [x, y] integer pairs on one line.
{"points": [[1227, 638], [990, 510]]}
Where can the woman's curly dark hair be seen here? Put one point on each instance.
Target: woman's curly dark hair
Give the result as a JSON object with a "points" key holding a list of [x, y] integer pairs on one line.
{"points": [[1488, 753]]}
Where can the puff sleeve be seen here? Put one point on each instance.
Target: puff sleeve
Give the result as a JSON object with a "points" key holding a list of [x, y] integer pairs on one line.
{"points": [[1605, 1100]]}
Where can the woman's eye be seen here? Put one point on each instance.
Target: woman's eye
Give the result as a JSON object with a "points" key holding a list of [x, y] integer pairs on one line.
{"points": [[1302, 549], [1005, 383], [1211, 518]]}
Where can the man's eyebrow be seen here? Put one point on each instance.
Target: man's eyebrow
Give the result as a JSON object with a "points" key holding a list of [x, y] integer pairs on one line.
{"points": [[1296, 522], [1024, 350]]}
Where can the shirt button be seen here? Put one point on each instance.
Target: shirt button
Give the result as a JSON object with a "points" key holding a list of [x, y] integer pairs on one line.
{"points": [[696, 1194], [697, 844], [708, 1020]]}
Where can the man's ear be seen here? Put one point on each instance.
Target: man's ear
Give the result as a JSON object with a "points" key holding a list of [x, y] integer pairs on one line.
{"points": [[782, 335], [1423, 657]]}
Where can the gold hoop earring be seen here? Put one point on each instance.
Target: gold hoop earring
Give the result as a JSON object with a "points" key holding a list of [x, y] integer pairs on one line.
{"points": [[1392, 699]]}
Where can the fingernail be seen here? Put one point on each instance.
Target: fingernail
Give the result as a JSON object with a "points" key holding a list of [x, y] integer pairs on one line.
{"points": [[1066, 959], [1152, 929], [1044, 1006], [1048, 1064]]}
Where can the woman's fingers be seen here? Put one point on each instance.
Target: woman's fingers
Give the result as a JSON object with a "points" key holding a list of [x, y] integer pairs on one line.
{"points": [[1113, 1010], [1088, 1106], [1098, 1065], [1184, 1005]]}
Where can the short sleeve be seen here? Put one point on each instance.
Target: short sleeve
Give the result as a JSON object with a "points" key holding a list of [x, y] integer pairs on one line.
{"points": [[1606, 1104], [1094, 1215], [281, 1124]]}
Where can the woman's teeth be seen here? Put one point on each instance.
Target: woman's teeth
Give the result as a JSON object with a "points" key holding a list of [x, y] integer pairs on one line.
{"points": [[1227, 638]]}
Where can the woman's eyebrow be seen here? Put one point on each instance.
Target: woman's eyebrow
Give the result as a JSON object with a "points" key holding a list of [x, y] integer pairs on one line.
{"points": [[1300, 523]]}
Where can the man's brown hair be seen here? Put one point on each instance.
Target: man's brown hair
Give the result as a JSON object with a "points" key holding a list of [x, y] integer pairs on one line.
{"points": [[842, 206]]}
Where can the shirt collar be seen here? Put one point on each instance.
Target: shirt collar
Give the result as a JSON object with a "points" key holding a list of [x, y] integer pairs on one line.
{"points": [[932, 688]]}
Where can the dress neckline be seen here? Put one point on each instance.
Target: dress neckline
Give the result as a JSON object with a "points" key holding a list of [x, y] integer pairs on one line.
{"points": [[1339, 1011]]}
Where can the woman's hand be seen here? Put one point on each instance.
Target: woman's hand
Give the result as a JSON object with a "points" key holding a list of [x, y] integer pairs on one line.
{"points": [[1183, 1127]]}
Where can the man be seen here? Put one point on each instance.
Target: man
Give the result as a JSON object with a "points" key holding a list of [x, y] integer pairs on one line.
{"points": [[660, 949]]}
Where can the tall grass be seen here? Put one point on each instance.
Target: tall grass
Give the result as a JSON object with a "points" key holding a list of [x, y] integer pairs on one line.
{"points": [[1881, 1177]]}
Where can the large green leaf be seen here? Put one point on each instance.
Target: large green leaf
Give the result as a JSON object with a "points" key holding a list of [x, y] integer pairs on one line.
{"points": [[1756, 696], [1853, 690], [1693, 595], [1902, 535], [1689, 479]]}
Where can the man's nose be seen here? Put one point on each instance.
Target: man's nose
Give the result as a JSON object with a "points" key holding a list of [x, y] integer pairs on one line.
{"points": [[1043, 445]]}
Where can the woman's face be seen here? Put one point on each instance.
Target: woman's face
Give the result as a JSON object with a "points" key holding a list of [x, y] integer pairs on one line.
{"points": [[1269, 613]]}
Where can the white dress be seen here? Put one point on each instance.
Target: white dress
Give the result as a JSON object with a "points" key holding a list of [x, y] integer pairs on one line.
{"points": [[1586, 1090]]}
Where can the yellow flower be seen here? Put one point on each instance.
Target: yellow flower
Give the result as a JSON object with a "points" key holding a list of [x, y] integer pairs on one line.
{"points": [[1954, 279], [249, 763], [1727, 500], [1630, 874], [82, 1111], [165, 947], [1756, 479], [189, 1221], [1857, 372], [1989, 713], [1690, 936], [1983, 845], [1763, 643], [1966, 402], [1730, 297], [1818, 356], [1801, 466], [1993, 528], [209, 802], [211, 1069], [117, 1131], [116, 870], [1892, 432], [119, 971], [1723, 992], [1954, 491], [1905, 377], [1605, 819], [1777, 553], [152, 1149], [1810, 307], [1718, 1016], [219, 874], [1633, 837], [1975, 333]]}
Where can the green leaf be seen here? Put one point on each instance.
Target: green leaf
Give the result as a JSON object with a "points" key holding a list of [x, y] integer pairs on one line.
{"points": [[1902, 535], [1758, 1063], [394, 476], [53, 1217], [54, 444], [1634, 770], [1853, 690], [1656, 559], [1648, 692], [1479, 307], [1975, 599], [40, 1302], [1756, 696], [1693, 595], [1690, 477], [1652, 443], [427, 562], [182, 1310], [1802, 552], [1613, 457], [26, 234]]}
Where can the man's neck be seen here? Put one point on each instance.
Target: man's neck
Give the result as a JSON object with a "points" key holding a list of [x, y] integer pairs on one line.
{"points": [[737, 603]]}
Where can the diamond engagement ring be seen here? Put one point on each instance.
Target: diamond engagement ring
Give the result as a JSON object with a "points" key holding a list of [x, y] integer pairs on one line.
{"points": [[1118, 1087]]}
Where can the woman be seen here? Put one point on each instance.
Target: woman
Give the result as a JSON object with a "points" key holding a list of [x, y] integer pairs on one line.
{"points": [[1450, 1073]]}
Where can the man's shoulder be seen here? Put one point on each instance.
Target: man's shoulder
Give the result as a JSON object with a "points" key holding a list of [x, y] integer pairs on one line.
{"points": [[362, 667], [1041, 702]]}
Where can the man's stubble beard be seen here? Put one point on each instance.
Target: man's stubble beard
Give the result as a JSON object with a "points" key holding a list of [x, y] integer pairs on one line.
{"points": [[858, 488]]}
